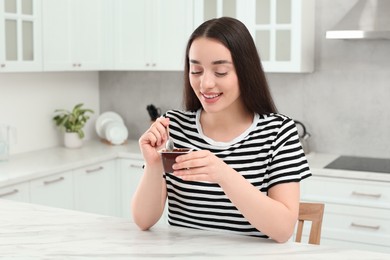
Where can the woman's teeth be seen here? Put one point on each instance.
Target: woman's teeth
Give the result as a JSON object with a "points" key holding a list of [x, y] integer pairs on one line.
{"points": [[211, 96]]}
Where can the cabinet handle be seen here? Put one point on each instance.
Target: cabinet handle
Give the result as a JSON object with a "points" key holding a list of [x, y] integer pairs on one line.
{"points": [[356, 193], [9, 193], [53, 181], [135, 166], [365, 226], [94, 170]]}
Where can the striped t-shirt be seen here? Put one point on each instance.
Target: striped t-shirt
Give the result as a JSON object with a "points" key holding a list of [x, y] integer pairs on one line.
{"points": [[266, 154]]}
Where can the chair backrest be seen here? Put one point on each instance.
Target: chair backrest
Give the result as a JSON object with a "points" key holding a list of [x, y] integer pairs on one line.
{"points": [[313, 212]]}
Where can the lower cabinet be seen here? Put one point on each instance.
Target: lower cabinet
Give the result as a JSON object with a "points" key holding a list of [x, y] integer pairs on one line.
{"points": [[95, 188], [357, 212], [54, 190], [130, 175], [18, 192], [105, 188]]}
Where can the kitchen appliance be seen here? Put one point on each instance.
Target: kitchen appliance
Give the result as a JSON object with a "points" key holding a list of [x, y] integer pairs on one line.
{"points": [[365, 164], [368, 19], [6, 133], [303, 136]]}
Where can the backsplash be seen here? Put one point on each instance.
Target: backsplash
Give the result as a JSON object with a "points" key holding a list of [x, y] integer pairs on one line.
{"points": [[28, 101], [344, 103]]}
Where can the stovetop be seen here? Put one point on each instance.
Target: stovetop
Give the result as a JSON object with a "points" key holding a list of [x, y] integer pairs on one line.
{"points": [[360, 164]]}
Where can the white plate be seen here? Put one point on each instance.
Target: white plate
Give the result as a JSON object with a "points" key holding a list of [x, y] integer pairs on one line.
{"points": [[104, 119], [116, 133]]}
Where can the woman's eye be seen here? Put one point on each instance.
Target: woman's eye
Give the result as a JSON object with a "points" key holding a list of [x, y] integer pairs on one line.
{"points": [[220, 74], [196, 72]]}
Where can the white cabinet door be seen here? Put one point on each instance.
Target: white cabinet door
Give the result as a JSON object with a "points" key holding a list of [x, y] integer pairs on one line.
{"points": [[130, 174], [75, 34], [20, 35], [172, 26], [283, 30], [151, 34], [18, 192], [95, 188], [55, 190], [284, 33]]}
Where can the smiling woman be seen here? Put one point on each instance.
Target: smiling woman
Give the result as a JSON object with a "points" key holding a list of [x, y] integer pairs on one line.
{"points": [[242, 175]]}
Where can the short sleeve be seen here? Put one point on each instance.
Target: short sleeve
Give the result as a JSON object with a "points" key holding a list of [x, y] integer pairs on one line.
{"points": [[288, 161]]}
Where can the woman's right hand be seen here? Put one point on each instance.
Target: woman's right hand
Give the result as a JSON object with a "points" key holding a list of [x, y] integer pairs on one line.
{"points": [[153, 140]]}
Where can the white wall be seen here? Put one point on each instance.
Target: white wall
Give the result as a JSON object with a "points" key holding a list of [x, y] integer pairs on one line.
{"points": [[28, 101]]}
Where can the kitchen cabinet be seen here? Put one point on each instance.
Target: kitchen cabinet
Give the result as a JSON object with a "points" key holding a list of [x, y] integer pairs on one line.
{"points": [[55, 190], [76, 34], [130, 175], [17, 192], [357, 211], [95, 188], [283, 30], [206, 10], [20, 36], [151, 34]]}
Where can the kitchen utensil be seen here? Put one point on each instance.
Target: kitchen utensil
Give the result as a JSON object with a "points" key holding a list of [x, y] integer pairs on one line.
{"points": [[154, 112], [303, 136], [169, 157], [169, 146]]}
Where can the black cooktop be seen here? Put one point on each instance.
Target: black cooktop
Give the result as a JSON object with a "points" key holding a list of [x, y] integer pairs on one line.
{"points": [[360, 164]]}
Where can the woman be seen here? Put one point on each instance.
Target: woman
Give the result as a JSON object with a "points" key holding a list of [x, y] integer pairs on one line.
{"points": [[243, 175]]}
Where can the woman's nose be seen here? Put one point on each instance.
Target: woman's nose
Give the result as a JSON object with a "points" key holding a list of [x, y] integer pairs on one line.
{"points": [[207, 81]]}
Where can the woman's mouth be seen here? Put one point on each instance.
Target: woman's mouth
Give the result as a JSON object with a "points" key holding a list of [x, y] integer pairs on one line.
{"points": [[211, 97]]}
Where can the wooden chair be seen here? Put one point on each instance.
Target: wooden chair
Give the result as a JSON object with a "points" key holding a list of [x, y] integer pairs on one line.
{"points": [[313, 212]]}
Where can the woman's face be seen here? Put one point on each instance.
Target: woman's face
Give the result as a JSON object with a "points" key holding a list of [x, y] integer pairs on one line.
{"points": [[212, 75]]}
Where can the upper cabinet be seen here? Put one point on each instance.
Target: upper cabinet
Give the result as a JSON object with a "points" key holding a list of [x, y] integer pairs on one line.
{"points": [[75, 34], [82, 35], [20, 35], [151, 34], [283, 30]]}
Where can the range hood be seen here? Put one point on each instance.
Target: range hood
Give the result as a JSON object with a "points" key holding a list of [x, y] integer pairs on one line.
{"points": [[368, 19]]}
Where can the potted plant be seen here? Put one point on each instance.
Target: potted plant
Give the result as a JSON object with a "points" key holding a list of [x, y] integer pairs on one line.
{"points": [[73, 123]]}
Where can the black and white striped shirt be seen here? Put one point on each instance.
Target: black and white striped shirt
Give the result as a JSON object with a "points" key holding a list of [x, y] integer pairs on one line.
{"points": [[266, 154]]}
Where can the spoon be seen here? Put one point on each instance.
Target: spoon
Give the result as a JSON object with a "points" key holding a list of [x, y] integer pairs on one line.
{"points": [[169, 144]]}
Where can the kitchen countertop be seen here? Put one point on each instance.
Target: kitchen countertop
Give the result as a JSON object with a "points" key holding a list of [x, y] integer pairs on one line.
{"points": [[318, 161], [29, 231], [36, 164]]}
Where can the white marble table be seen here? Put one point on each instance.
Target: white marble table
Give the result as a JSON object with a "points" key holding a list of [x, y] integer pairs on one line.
{"points": [[29, 231]]}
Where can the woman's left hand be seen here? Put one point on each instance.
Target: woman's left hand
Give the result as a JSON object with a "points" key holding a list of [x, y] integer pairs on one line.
{"points": [[201, 166]]}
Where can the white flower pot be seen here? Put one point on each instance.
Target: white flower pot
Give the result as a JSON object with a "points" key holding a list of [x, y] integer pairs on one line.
{"points": [[72, 140]]}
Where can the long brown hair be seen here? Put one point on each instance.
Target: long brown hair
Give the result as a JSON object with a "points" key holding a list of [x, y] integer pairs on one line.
{"points": [[252, 81]]}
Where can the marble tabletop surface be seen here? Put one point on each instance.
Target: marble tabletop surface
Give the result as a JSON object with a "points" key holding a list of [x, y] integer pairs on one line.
{"points": [[29, 231]]}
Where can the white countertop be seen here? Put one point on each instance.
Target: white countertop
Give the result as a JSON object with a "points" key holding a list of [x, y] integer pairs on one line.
{"points": [[29, 231], [318, 161], [28, 166]]}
